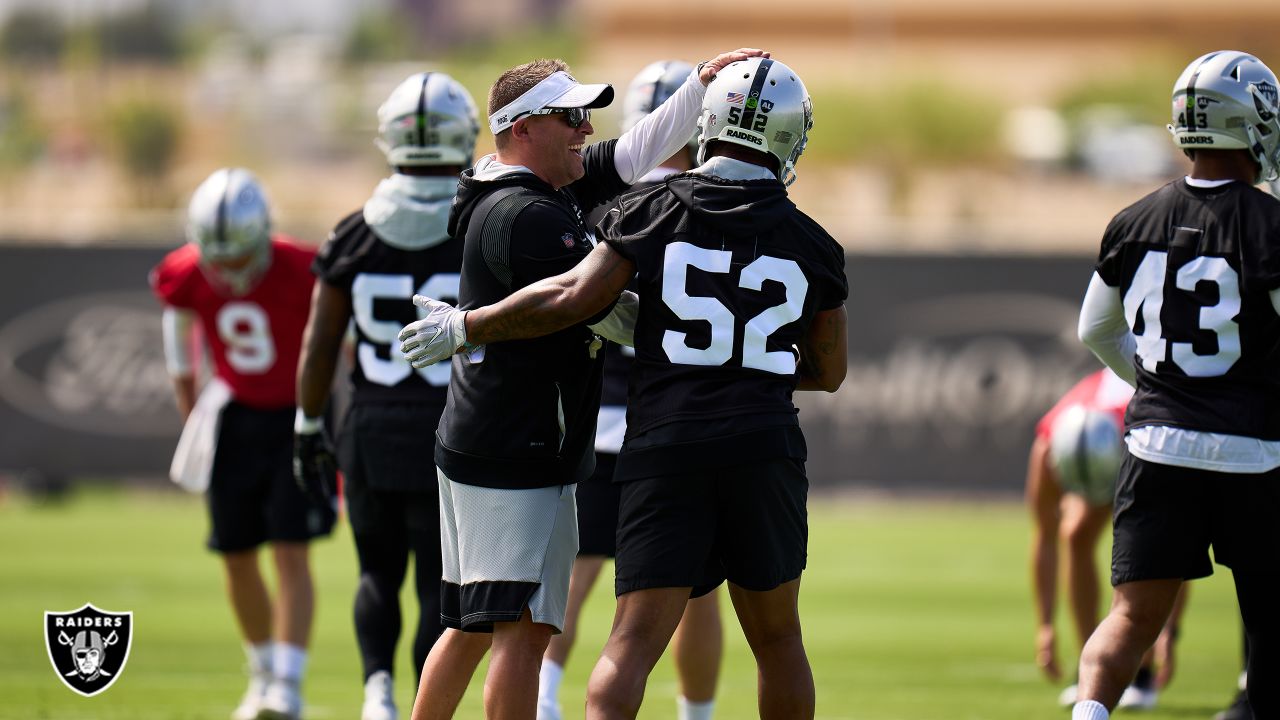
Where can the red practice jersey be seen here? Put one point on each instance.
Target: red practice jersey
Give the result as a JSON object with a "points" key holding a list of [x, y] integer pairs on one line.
{"points": [[1102, 390], [255, 339]]}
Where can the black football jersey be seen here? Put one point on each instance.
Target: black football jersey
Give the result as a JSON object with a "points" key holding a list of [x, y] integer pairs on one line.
{"points": [[522, 413], [730, 274], [617, 358], [1195, 268], [382, 281]]}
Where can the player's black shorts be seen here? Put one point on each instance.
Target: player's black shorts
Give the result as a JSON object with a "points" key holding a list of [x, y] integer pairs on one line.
{"points": [[598, 499], [388, 475], [1167, 517], [252, 494], [390, 446], [744, 523]]}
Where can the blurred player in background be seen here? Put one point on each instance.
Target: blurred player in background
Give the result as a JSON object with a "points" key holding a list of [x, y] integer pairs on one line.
{"points": [[712, 468], [373, 263], [248, 291], [1070, 482], [1185, 304], [698, 640]]}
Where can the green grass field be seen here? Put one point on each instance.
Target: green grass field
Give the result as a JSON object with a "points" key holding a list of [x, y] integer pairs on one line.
{"points": [[912, 611]]}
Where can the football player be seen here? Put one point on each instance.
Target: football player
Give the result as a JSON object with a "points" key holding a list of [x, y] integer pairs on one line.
{"points": [[1185, 304], [1071, 474], [698, 639], [517, 429], [372, 264], [246, 290], [741, 303]]}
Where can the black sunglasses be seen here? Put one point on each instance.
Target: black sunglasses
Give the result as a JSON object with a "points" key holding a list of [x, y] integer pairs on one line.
{"points": [[574, 117]]}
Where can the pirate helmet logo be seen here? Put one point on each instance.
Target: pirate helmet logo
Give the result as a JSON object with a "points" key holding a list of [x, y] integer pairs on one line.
{"points": [[88, 647]]}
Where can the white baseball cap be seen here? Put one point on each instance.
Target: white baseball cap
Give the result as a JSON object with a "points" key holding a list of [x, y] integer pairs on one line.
{"points": [[557, 90]]}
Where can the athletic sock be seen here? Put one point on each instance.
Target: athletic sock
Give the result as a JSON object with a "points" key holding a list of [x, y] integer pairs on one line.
{"points": [[1145, 679], [259, 655], [690, 710], [549, 690], [289, 661], [1089, 710]]}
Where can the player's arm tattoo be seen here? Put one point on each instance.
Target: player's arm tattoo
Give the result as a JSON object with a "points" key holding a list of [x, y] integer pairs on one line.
{"points": [[824, 355], [827, 344], [554, 303]]}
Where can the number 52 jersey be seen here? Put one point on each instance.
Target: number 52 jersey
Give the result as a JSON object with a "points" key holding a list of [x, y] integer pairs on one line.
{"points": [[254, 339], [730, 276], [1195, 268]]}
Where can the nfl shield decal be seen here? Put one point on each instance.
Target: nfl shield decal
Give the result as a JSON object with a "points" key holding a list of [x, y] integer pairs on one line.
{"points": [[88, 647]]}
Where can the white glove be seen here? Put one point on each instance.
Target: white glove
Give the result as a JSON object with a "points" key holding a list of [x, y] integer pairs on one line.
{"points": [[620, 324], [435, 337]]}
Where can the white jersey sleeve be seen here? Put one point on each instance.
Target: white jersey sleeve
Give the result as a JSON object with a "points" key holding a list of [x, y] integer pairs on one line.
{"points": [[660, 133], [176, 326], [1104, 330]]}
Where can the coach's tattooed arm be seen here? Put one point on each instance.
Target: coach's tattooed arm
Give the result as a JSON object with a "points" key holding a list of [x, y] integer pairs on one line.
{"points": [[824, 359], [554, 303]]}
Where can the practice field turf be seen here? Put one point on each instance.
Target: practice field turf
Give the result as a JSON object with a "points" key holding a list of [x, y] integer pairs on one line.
{"points": [[912, 611]]}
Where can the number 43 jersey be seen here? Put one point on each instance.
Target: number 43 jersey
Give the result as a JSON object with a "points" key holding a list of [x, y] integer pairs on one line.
{"points": [[382, 281], [730, 276], [1195, 268]]}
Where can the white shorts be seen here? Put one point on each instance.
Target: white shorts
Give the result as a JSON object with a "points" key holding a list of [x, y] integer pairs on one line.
{"points": [[503, 551]]}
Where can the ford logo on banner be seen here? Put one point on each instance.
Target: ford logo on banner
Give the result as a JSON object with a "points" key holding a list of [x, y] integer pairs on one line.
{"points": [[83, 385], [92, 364]]}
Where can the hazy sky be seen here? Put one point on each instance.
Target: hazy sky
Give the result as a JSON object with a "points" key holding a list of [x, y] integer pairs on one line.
{"points": [[264, 16]]}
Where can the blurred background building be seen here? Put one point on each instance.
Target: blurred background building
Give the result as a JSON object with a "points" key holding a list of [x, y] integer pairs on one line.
{"points": [[940, 124]]}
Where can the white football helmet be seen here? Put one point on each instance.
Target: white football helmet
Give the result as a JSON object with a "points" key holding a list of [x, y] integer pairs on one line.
{"points": [[230, 221], [650, 88], [429, 119], [760, 104], [1085, 448], [1227, 100]]}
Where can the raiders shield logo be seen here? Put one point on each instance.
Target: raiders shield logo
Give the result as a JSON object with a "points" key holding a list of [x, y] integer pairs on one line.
{"points": [[88, 647]]}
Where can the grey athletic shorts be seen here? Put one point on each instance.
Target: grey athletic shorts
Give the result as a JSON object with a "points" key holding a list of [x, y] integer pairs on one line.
{"points": [[503, 551]]}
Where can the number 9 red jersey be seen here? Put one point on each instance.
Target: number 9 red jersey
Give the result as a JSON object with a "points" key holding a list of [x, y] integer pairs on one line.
{"points": [[255, 338]]}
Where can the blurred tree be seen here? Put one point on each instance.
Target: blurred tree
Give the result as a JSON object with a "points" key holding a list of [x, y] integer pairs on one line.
{"points": [[907, 124], [145, 133], [1143, 90], [147, 33], [22, 140], [380, 36], [32, 35]]}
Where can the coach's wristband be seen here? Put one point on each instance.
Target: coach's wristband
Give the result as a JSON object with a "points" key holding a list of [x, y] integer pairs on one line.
{"points": [[304, 425]]}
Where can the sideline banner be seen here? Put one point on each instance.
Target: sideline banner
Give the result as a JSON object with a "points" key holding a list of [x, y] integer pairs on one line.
{"points": [[952, 361], [83, 386]]}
